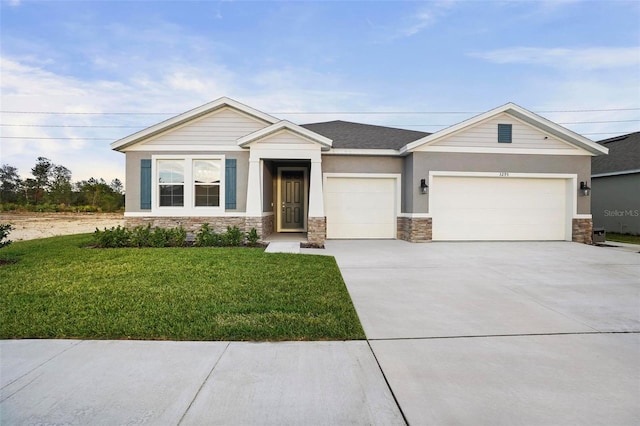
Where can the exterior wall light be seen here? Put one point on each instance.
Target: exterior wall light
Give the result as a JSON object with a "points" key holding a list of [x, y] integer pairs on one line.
{"points": [[424, 188], [585, 189]]}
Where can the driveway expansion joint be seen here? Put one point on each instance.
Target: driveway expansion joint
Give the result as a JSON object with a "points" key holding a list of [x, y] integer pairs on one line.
{"points": [[42, 363], [382, 339], [215, 364], [384, 376]]}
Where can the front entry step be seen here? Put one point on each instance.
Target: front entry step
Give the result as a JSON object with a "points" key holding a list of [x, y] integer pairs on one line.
{"points": [[283, 247]]}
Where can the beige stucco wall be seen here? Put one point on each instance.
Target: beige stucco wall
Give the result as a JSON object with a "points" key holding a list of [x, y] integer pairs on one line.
{"points": [[421, 163], [132, 197], [360, 164]]}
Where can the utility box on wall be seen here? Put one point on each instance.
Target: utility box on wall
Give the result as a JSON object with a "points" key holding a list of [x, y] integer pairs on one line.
{"points": [[599, 235]]}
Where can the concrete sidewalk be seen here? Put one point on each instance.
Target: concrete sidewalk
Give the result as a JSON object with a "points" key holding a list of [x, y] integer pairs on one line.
{"points": [[197, 383]]}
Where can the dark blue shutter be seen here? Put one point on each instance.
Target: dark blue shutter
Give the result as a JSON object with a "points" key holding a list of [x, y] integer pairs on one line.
{"points": [[230, 183], [504, 133], [145, 184]]}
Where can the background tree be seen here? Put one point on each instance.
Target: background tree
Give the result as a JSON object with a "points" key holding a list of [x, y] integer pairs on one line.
{"points": [[60, 185], [116, 186], [51, 189], [41, 178], [10, 184]]}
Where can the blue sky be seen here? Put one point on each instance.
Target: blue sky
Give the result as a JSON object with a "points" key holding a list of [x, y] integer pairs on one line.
{"points": [[348, 60]]}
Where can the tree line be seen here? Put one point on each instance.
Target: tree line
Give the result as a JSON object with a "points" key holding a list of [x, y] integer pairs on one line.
{"points": [[50, 189]]}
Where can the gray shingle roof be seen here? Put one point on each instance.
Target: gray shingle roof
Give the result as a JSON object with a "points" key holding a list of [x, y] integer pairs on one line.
{"points": [[624, 154], [364, 136]]}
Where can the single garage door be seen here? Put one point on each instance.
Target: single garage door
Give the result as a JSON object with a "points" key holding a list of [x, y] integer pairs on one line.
{"points": [[358, 207], [498, 208]]}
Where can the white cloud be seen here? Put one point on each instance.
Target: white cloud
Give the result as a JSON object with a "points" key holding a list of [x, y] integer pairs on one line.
{"points": [[425, 17], [582, 58]]}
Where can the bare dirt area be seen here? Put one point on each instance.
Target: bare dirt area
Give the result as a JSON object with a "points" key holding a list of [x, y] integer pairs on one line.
{"points": [[30, 226]]}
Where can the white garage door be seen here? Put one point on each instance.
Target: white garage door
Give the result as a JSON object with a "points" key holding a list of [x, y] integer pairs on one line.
{"points": [[488, 208], [360, 207]]}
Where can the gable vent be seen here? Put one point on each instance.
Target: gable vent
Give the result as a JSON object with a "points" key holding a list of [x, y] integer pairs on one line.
{"points": [[504, 133]]}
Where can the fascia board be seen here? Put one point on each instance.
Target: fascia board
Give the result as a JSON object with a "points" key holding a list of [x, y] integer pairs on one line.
{"points": [[190, 115]]}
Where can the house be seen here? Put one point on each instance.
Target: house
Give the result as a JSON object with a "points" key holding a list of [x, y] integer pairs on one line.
{"points": [[506, 174], [615, 185]]}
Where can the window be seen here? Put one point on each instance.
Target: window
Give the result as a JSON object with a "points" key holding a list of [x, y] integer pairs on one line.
{"points": [[504, 133], [171, 183], [191, 184], [206, 181]]}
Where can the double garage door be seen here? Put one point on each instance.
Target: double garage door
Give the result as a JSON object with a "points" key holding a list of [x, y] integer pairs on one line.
{"points": [[498, 208], [463, 208]]}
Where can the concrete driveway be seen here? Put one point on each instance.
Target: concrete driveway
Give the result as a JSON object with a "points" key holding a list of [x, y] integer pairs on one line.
{"points": [[501, 332]]}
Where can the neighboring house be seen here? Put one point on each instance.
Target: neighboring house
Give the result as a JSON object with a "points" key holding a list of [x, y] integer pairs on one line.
{"points": [[507, 174], [615, 185]]}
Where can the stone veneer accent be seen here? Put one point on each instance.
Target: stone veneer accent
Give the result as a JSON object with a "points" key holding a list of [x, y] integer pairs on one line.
{"points": [[582, 231], [414, 230], [317, 230], [264, 225]]}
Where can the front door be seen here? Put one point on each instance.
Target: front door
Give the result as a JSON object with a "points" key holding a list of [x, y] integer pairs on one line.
{"points": [[292, 210]]}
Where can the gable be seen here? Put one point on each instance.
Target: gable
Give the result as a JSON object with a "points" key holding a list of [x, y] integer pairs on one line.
{"points": [[485, 135], [220, 128], [535, 135], [223, 118], [285, 137]]}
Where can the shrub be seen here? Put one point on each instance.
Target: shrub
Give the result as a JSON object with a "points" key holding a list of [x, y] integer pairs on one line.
{"points": [[4, 233], [233, 237], [112, 238], [206, 237], [252, 237], [140, 236], [173, 237]]}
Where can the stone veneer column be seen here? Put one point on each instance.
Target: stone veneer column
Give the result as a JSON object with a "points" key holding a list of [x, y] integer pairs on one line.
{"points": [[414, 230], [317, 230], [582, 231]]}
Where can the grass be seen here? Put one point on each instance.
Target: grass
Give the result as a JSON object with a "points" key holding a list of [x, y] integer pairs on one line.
{"points": [[623, 238], [60, 289]]}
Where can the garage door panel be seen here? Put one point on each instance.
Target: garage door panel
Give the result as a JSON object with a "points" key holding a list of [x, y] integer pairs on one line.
{"points": [[486, 208], [360, 207]]}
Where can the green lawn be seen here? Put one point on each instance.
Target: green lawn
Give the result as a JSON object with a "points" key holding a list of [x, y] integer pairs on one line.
{"points": [[623, 238], [59, 289]]}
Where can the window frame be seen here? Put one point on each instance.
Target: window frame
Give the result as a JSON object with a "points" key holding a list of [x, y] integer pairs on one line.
{"points": [[189, 199]]}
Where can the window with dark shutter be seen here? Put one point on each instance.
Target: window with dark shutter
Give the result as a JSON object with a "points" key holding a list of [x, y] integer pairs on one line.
{"points": [[230, 183], [145, 184]]}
